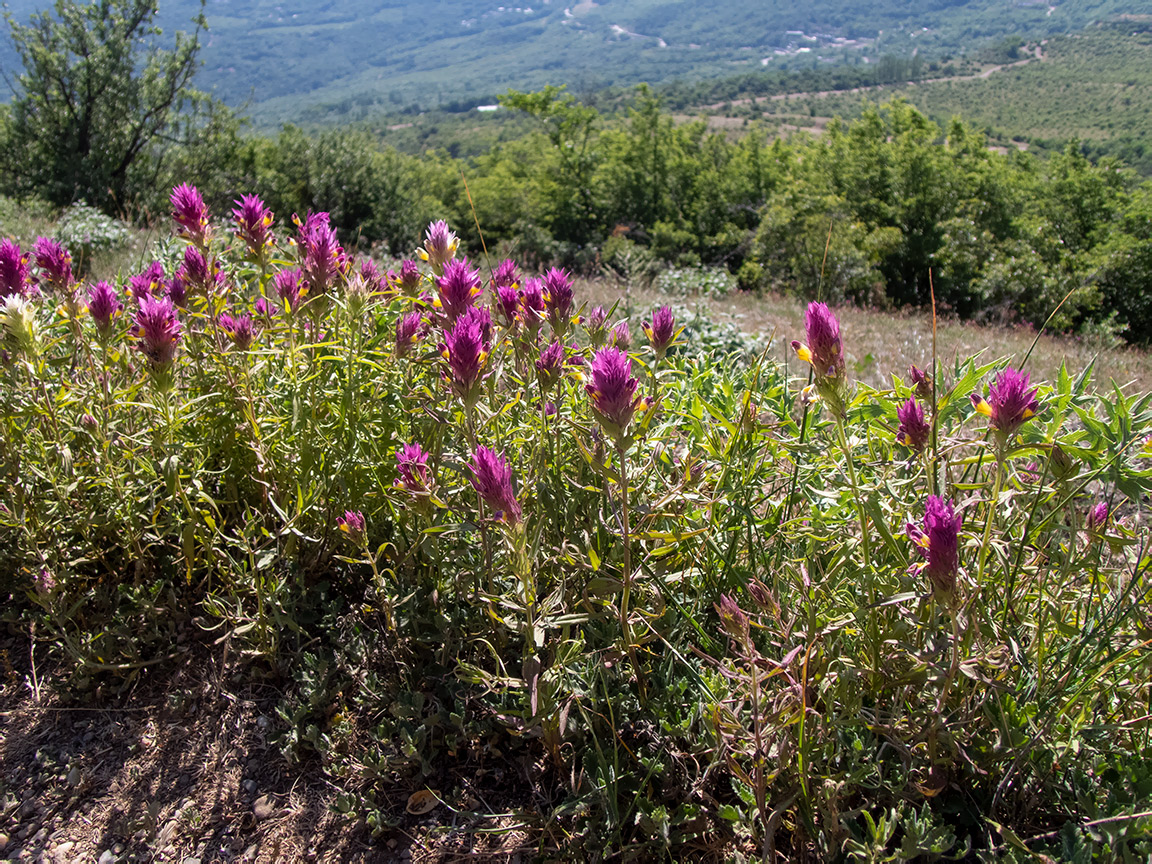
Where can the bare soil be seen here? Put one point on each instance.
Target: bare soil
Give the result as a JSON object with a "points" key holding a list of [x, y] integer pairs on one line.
{"points": [[183, 767]]}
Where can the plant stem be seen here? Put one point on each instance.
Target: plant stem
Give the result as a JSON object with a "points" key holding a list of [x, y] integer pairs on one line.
{"points": [[626, 593], [986, 542]]}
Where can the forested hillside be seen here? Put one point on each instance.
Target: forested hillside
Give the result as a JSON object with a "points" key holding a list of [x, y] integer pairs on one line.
{"points": [[278, 58], [1093, 86]]}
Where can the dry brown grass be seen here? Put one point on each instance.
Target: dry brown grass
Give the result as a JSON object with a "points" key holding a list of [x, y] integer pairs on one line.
{"points": [[878, 344]]}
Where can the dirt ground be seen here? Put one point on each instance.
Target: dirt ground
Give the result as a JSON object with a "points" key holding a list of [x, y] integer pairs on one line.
{"points": [[183, 768]]}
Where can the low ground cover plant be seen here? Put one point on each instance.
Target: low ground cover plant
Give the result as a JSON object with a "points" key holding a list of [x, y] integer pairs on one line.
{"points": [[649, 592]]}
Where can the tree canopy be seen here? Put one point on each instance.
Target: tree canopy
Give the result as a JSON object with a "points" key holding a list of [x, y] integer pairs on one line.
{"points": [[100, 89]]}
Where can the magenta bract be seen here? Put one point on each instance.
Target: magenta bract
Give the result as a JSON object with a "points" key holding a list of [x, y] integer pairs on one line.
{"points": [[458, 289], [14, 270], [103, 305], [938, 543], [612, 391], [55, 265], [824, 350], [158, 330], [352, 523], [661, 330], [242, 331], [492, 480], [253, 222], [466, 348], [190, 213], [410, 329], [287, 284], [914, 430], [1010, 401], [412, 466]]}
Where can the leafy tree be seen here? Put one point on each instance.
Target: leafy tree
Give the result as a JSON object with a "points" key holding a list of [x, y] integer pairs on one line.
{"points": [[565, 179], [100, 90]]}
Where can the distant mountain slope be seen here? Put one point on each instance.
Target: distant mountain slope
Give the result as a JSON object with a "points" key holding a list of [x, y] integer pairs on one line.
{"points": [[278, 57]]}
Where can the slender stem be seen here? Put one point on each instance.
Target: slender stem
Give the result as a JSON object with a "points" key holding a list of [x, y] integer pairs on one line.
{"points": [[626, 593], [866, 548], [986, 542], [378, 581], [758, 766], [865, 539], [485, 543]]}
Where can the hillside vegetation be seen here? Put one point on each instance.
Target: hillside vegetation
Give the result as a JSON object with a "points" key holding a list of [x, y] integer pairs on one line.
{"points": [[278, 58], [494, 555], [1094, 86]]}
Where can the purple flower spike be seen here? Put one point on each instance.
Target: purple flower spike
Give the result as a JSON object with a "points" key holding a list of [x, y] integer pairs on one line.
{"points": [[824, 350], [190, 214], [550, 364], [532, 306], [149, 283], [408, 280], [661, 330], [322, 258], [492, 479], [921, 381], [373, 279], [104, 306], [558, 295], [734, 621], [44, 582], [507, 303], [914, 431], [466, 349], [1010, 402], [596, 325], [55, 266], [439, 246], [412, 466], [352, 524], [287, 284], [1097, 518], [158, 330], [253, 222], [505, 275], [621, 336], [409, 330], [14, 270], [939, 544], [458, 289], [198, 272], [242, 331], [613, 391]]}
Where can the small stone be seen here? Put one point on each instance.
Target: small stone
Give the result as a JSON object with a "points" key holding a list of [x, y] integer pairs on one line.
{"points": [[106, 857], [74, 776], [263, 807], [63, 851], [3, 842], [249, 786]]}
